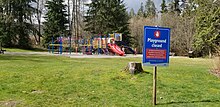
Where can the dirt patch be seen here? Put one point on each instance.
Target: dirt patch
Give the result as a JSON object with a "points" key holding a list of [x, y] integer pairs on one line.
{"points": [[215, 72], [10, 103], [37, 91]]}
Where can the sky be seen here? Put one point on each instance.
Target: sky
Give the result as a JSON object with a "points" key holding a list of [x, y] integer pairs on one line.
{"points": [[135, 4]]}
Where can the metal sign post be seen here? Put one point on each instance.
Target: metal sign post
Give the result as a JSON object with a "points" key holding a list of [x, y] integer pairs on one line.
{"points": [[155, 85], [156, 51]]}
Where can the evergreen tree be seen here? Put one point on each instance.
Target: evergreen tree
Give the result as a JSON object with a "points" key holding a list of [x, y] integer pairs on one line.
{"points": [[107, 16], [56, 20], [141, 11], [189, 8], [150, 9], [98, 17], [1, 23], [177, 6], [163, 6], [90, 18], [15, 26], [207, 37], [174, 6], [7, 35], [132, 14]]}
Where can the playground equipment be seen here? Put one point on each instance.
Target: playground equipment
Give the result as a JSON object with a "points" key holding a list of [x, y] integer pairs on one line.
{"points": [[100, 44], [116, 49], [57, 45], [127, 48]]}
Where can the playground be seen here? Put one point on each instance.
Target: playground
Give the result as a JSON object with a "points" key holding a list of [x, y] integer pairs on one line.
{"points": [[110, 44], [109, 53], [47, 80]]}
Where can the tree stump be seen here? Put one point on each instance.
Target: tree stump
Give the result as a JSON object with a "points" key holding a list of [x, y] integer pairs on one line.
{"points": [[134, 68]]}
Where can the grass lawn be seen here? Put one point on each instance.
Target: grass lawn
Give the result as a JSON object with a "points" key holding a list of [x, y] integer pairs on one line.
{"points": [[23, 50], [60, 81]]}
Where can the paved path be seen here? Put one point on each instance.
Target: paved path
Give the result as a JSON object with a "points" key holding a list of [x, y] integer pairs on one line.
{"points": [[74, 55], [27, 53], [105, 56]]}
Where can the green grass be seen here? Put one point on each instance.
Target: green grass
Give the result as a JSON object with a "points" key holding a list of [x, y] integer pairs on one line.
{"points": [[60, 81], [24, 50]]}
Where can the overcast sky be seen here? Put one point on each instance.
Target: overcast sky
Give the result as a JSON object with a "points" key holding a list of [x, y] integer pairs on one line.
{"points": [[135, 4]]}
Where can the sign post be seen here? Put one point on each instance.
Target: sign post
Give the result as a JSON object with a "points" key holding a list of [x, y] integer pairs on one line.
{"points": [[155, 86], [156, 51]]}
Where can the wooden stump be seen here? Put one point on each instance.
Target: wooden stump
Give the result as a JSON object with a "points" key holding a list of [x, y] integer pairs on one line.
{"points": [[134, 68]]}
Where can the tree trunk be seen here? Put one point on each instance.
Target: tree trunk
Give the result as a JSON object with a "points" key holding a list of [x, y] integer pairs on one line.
{"points": [[134, 68], [68, 6], [210, 53], [39, 14]]}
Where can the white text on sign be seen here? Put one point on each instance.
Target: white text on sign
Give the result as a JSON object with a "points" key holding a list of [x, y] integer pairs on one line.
{"points": [[155, 41]]}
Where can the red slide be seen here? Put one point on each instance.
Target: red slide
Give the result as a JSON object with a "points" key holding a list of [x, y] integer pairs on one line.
{"points": [[116, 49]]}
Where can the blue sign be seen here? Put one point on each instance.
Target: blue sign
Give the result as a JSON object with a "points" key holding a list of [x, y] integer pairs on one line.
{"points": [[156, 46]]}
